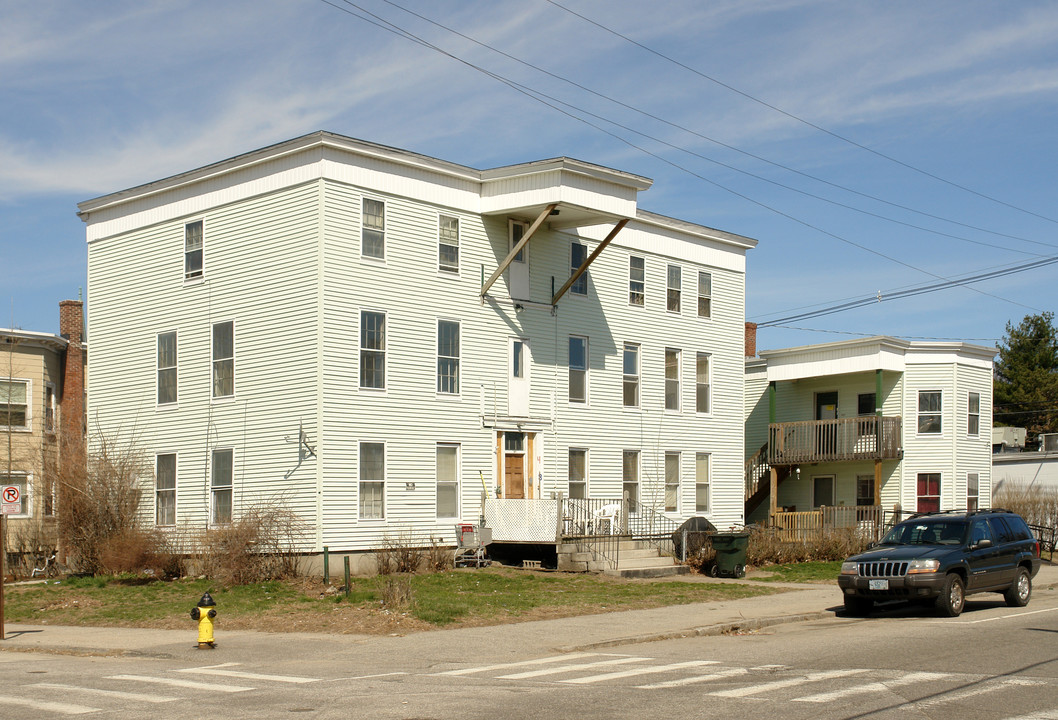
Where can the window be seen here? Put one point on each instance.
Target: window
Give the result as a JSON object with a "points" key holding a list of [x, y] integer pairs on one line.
{"points": [[578, 474], [373, 229], [672, 379], [14, 404], [22, 482], [631, 375], [972, 491], [518, 358], [822, 490], [701, 482], [165, 489], [636, 280], [864, 490], [929, 409], [578, 369], [224, 359], [372, 349], [973, 414], [674, 288], [447, 480], [705, 294], [372, 481], [701, 383], [865, 408], [221, 486], [672, 481], [578, 253], [517, 233], [630, 478], [448, 244], [928, 492], [193, 250], [49, 408], [448, 357], [166, 368]]}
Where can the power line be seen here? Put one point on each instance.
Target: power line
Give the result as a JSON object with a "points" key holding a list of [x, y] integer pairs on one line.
{"points": [[800, 119], [902, 337]]}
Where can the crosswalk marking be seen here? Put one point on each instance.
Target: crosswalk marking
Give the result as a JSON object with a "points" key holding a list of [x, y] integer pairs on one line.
{"points": [[55, 707], [538, 661], [984, 687], [566, 668], [778, 684], [220, 670], [106, 693], [909, 679], [694, 679], [182, 683], [637, 671]]}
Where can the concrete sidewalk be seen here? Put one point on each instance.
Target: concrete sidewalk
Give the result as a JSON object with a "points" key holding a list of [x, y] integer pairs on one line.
{"points": [[799, 603]]}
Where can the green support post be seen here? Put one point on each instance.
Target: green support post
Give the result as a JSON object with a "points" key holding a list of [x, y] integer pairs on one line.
{"points": [[348, 585], [326, 566]]}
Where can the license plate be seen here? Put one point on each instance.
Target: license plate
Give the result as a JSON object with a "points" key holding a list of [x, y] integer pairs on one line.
{"points": [[878, 584]]}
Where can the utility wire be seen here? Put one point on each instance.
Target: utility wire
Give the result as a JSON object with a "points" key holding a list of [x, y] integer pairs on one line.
{"points": [[874, 334], [800, 119], [733, 148]]}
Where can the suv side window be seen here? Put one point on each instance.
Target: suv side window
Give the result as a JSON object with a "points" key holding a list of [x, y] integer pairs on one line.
{"points": [[1018, 527], [1001, 531], [980, 532]]}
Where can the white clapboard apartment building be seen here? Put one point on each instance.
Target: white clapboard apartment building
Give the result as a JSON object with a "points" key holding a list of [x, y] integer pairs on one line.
{"points": [[382, 341]]}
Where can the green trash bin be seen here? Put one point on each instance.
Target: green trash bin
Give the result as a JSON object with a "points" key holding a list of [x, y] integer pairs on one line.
{"points": [[730, 550]]}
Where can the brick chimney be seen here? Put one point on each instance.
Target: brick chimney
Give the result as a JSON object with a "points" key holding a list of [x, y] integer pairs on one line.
{"points": [[751, 339], [71, 403]]}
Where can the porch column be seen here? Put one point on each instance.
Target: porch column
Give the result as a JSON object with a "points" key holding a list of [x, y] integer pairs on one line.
{"points": [[877, 481], [771, 402], [773, 492]]}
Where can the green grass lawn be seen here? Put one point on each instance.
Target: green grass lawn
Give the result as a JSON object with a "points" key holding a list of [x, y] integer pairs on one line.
{"points": [[454, 598], [807, 572]]}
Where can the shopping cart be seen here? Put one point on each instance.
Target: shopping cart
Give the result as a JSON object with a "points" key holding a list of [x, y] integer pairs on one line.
{"points": [[470, 545]]}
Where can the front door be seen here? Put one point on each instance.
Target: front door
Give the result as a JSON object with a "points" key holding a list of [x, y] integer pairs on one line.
{"points": [[518, 382], [514, 466], [826, 432]]}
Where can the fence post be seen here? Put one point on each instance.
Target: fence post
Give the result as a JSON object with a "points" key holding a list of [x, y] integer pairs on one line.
{"points": [[560, 513], [683, 548], [326, 566], [348, 584]]}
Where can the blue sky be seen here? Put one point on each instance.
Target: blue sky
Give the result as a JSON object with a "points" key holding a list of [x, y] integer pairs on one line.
{"points": [[102, 97]]}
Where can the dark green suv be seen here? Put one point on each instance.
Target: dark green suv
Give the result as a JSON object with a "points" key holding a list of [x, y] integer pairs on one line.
{"points": [[940, 558]]}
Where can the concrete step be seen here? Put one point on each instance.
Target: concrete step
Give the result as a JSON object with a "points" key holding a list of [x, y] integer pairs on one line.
{"points": [[638, 562], [651, 572]]}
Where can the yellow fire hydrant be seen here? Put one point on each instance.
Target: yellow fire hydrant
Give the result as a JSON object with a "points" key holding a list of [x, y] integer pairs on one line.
{"points": [[204, 613]]}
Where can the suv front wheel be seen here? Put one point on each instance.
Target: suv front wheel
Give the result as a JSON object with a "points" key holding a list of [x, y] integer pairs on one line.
{"points": [[1018, 594], [952, 597]]}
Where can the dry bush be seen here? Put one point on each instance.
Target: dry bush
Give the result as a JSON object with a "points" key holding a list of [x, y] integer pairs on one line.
{"points": [[395, 593], [400, 554], [438, 557], [100, 503], [260, 545], [385, 560], [31, 543], [766, 547], [700, 556], [1039, 506]]}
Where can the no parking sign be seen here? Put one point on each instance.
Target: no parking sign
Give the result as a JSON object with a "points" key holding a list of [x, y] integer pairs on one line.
{"points": [[12, 500]]}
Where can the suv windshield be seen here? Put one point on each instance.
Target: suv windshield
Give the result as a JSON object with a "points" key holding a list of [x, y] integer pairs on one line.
{"points": [[926, 532]]}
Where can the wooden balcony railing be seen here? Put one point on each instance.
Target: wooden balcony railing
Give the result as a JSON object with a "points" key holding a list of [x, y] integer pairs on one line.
{"points": [[814, 441]]}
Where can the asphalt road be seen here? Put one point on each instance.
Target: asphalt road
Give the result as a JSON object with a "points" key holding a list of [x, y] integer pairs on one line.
{"points": [[992, 663]]}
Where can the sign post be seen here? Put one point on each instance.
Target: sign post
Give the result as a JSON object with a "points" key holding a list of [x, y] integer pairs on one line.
{"points": [[10, 504]]}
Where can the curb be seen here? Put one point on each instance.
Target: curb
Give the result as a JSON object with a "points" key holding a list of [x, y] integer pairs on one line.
{"points": [[730, 628]]}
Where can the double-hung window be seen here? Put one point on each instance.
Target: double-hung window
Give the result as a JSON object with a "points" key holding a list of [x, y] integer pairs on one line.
{"points": [[223, 359], [373, 229], [221, 484], [701, 482], [193, 250], [372, 349], [705, 294], [578, 253], [448, 244], [447, 480], [14, 404], [372, 481], [675, 288], [972, 490], [672, 379], [928, 492], [578, 473], [701, 383], [636, 280], [166, 368], [448, 357], [973, 414], [578, 369], [49, 408], [630, 478], [165, 489], [929, 412], [631, 375], [672, 482]]}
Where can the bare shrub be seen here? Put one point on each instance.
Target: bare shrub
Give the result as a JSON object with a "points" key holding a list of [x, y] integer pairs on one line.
{"points": [[395, 593], [439, 557], [700, 555], [1039, 506], [399, 554], [766, 547], [100, 503], [28, 547], [385, 560], [260, 545]]}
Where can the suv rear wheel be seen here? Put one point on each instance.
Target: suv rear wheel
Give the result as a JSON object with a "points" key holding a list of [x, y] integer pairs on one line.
{"points": [[1018, 594], [952, 597]]}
